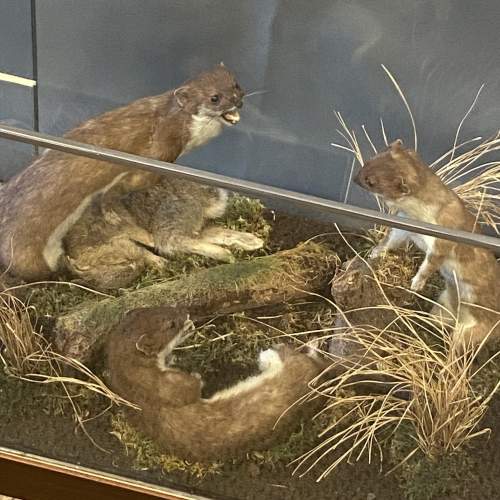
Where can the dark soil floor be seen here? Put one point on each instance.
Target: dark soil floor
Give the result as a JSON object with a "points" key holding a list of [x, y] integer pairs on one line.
{"points": [[52, 432]]}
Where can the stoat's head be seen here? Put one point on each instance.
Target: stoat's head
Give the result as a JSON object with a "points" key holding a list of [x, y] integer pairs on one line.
{"points": [[213, 94], [146, 332], [395, 174]]}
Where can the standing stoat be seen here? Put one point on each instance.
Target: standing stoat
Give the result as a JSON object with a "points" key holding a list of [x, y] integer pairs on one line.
{"points": [[40, 205], [472, 274], [249, 415]]}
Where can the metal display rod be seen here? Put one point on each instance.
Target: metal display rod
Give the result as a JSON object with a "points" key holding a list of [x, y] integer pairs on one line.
{"points": [[253, 188]]}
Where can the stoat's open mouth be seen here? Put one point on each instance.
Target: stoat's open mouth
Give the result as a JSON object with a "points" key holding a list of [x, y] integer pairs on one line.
{"points": [[231, 117]]}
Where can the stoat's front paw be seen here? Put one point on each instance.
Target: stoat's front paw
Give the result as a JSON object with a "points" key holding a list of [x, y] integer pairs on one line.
{"points": [[188, 325], [378, 251], [417, 283]]}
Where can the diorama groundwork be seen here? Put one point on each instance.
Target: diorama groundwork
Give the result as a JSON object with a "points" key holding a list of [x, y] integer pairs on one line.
{"points": [[41, 418]]}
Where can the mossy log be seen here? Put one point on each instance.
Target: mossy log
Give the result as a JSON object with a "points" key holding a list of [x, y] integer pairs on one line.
{"points": [[369, 293], [365, 290], [282, 277]]}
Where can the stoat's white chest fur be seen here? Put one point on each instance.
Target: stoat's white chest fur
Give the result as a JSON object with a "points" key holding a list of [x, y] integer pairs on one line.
{"points": [[423, 242], [202, 129]]}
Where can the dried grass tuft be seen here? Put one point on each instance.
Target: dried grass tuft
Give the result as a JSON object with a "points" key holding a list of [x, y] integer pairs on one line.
{"points": [[476, 181], [429, 391], [430, 388], [18, 341], [26, 355]]}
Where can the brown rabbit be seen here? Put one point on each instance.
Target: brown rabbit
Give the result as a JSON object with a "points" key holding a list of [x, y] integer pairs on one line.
{"points": [[250, 415], [119, 235]]}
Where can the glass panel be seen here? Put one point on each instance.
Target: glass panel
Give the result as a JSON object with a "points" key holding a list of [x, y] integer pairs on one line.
{"points": [[15, 37], [103, 244], [16, 109]]}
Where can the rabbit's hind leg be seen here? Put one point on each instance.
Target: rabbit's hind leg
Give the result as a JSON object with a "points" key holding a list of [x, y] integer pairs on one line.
{"points": [[228, 237], [114, 264], [205, 248]]}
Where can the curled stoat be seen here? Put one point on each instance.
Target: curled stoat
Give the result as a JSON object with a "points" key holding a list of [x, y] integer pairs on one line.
{"points": [[472, 274], [41, 204], [243, 417]]}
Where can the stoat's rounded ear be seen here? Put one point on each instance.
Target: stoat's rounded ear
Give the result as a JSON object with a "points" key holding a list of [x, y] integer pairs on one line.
{"points": [[396, 145], [181, 95], [222, 64], [149, 345]]}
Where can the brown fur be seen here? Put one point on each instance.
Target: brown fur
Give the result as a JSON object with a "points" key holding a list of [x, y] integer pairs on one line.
{"points": [[116, 237], [173, 412], [472, 273], [35, 203]]}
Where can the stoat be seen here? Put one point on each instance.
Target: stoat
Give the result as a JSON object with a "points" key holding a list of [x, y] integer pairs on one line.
{"points": [[250, 415], [471, 273], [42, 203]]}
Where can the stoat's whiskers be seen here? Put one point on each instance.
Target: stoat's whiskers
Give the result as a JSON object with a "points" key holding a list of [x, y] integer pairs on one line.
{"points": [[256, 92]]}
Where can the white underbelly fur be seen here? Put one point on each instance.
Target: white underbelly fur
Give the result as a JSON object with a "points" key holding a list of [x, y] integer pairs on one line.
{"points": [[53, 249], [270, 364], [423, 242]]}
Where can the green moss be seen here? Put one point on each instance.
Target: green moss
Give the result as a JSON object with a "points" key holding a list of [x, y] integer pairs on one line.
{"points": [[246, 214], [299, 442], [23, 398], [421, 478], [147, 456], [53, 299]]}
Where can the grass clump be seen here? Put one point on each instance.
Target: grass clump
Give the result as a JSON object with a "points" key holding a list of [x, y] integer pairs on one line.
{"points": [[18, 340], [247, 215], [429, 391], [26, 355], [147, 456]]}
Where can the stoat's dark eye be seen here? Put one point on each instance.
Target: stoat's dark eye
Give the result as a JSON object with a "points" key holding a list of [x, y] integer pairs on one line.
{"points": [[215, 98], [237, 86]]}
